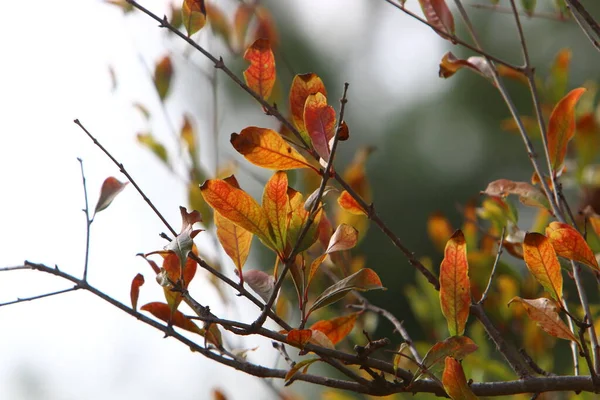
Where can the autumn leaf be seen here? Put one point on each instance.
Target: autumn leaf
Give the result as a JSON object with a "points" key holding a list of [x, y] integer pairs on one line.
{"points": [[261, 282], [543, 312], [298, 218], [157, 148], [163, 71], [455, 288], [348, 203], [455, 346], [111, 187], [559, 75], [569, 243], [438, 15], [260, 75], [171, 272], [193, 13], [528, 194], [300, 365], [234, 239], [541, 260], [218, 22], [439, 230], [336, 329], [299, 337], [320, 123], [238, 207], [561, 129], [189, 138], [450, 65], [363, 280], [134, 293], [276, 205], [183, 243], [303, 86], [162, 311], [455, 382], [267, 149], [241, 20]]}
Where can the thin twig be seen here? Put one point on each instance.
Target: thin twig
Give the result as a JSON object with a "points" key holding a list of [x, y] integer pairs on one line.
{"points": [[88, 222], [41, 296], [504, 10], [574, 346], [498, 254], [579, 12]]}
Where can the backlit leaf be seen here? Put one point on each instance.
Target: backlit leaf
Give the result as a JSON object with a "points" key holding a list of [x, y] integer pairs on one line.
{"points": [[237, 206], [241, 20], [450, 64], [455, 288], [234, 239], [171, 267], [134, 293], [111, 187], [336, 329], [543, 312], [299, 337], [155, 147], [320, 123], [363, 280], [261, 282], [218, 22], [303, 86], [439, 230], [162, 311], [320, 339], [345, 237], [569, 243], [455, 346], [163, 71], [561, 129], [193, 13], [276, 205], [260, 75], [540, 257], [528, 194], [348, 203], [300, 365], [455, 382], [265, 26], [267, 149], [438, 14], [298, 218]]}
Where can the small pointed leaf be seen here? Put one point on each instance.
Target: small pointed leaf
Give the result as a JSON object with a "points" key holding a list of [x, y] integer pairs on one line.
{"points": [[543, 312], [111, 187], [455, 288], [569, 243], [135, 290], [455, 382], [260, 75], [541, 260]]}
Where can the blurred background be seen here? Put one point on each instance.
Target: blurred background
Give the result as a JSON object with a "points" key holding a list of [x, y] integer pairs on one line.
{"points": [[437, 144]]}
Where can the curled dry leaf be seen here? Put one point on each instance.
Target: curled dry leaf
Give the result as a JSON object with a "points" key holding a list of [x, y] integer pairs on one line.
{"points": [[455, 382], [184, 242], [134, 294], [450, 64], [569, 243], [261, 282], [193, 13], [543, 312], [455, 287], [541, 260], [267, 149], [528, 194], [260, 75], [111, 187]]}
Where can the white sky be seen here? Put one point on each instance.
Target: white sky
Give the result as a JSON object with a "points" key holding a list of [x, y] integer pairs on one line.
{"points": [[54, 69]]}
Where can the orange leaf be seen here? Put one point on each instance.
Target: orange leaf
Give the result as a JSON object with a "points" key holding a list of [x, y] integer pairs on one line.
{"points": [[455, 346], [561, 129], [163, 71], [540, 258], [135, 290], [345, 237], [299, 337], [336, 329], [303, 86], [237, 206], [265, 26], [234, 239], [439, 230], [543, 312], [162, 311], [455, 287], [218, 22], [569, 243], [267, 149], [172, 267], [241, 20], [319, 121], [260, 75], [348, 203], [111, 187], [193, 13], [438, 14], [455, 382], [277, 208], [528, 194], [299, 217]]}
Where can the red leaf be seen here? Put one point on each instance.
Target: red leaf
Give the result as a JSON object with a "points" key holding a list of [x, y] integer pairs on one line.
{"points": [[438, 14], [135, 290], [110, 189], [455, 288], [303, 86], [162, 311], [320, 123]]}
